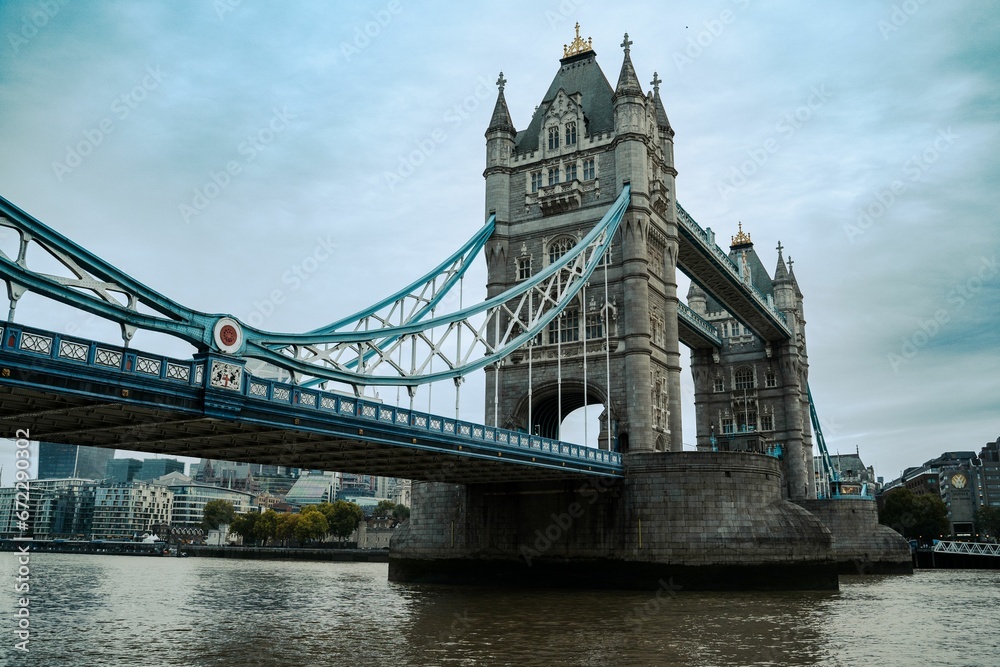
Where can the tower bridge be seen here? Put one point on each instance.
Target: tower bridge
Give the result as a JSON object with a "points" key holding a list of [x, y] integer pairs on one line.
{"points": [[583, 241]]}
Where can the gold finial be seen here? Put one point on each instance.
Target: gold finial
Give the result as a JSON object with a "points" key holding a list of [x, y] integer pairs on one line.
{"points": [[741, 238], [577, 45]]}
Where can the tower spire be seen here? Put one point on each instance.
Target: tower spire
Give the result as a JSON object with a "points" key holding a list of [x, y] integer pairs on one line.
{"points": [[501, 115], [628, 82], [780, 272]]}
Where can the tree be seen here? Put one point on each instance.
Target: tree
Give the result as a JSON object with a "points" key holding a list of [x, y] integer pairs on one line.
{"points": [[267, 526], [217, 513], [384, 508], [286, 527], [987, 521], [311, 525], [244, 526], [401, 512], [343, 518], [923, 517]]}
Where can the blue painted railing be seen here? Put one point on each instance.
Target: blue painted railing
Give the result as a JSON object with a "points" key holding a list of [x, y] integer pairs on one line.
{"points": [[730, 265], [38, 344]]}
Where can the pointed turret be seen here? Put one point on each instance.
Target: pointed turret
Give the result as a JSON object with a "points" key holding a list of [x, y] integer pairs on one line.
{"points": [[780, 272], [628, 82], [697, 300], [501, 121], [661, 113], [500, 137]]}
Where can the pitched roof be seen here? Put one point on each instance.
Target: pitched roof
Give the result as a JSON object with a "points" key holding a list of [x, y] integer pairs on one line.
{"points": [[577, 74]]}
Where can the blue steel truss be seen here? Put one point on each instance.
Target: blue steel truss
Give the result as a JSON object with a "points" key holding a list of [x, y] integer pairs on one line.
{"points": [[209, 386], [368, 348]]}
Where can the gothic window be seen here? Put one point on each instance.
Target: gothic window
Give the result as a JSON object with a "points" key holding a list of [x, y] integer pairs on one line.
{"points": [[660, 404], [725, 329], [727, 425], [595, 325], [767, 422], [747, 421], [536, 180], [718, 385], [560, 247], [553, 175], [523, 268], [770, 380], [566, 327], [553, 138], [570, 172], [588, 170], [656, 326], [570, 134], [743, 379]]}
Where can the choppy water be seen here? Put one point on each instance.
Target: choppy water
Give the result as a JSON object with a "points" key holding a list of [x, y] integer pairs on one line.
{"points": [[121, 610]]}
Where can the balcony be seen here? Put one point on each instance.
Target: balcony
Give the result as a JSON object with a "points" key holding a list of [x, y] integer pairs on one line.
{"points": [[560, 197]]}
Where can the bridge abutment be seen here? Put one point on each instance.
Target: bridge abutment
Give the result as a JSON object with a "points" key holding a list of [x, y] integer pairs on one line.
{"points": [[861, 545], [697, 520]]}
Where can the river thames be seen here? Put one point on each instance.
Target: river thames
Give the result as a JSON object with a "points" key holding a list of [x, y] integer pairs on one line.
{"points": [[135, 611]]}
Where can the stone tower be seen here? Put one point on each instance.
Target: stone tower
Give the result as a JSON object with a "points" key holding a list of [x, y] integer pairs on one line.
{"points": [[750, 395], [549, 184]]}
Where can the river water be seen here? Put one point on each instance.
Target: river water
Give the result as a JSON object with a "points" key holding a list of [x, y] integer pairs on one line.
{"points": [[125, 610]]}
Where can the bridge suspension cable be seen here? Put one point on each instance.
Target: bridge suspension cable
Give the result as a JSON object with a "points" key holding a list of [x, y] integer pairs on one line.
{"points": [[359, 350]]}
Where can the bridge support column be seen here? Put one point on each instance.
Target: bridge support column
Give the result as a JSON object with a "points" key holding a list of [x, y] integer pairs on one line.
{"points": [[860, 544], [699, 520], [796, 471]]}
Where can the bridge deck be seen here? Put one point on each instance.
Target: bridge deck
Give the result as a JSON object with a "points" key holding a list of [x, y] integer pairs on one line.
{"points": [[87, 393]]}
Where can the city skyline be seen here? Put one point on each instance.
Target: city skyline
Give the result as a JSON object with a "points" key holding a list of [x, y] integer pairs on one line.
{"points": [[855, 136]]}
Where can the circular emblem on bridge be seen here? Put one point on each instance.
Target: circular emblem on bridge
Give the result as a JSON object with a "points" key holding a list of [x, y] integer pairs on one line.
{"points": [[228, 335]]}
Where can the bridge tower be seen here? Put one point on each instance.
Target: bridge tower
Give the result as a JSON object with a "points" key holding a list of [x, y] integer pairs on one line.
{"points": [[549, 184], [752, 394]]}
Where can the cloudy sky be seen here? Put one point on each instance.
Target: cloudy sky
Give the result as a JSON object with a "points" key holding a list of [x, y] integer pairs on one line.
{"points": [[210, 149]]}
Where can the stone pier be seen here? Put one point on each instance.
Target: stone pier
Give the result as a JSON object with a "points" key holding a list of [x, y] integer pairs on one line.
{"points": [[861, 545], [687, 520]]}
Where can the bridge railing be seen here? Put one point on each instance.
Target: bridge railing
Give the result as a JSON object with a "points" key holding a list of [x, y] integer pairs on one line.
{"points": [[971, 548], [36, 344], [728, 263], [698, 322], [480, 434]]}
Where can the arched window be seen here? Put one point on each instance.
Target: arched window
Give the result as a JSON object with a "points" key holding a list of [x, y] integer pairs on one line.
{"points": [[770, 379], [743, 379], [553, 138], [570, 134], [560, 247]]}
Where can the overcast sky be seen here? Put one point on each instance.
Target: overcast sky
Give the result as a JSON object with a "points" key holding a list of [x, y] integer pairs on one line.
{"points": [[863, 136]]}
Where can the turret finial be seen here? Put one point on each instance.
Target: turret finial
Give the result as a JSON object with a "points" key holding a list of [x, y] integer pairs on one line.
{"points": [[577, 46], [655, 83], [501, 82], [626, 44], [741, 238]]}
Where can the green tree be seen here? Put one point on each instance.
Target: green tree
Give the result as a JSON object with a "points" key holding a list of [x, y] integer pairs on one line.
{"points": [[923, 517], [217, 512], [244, 525], [286, 527], [343, 518], [267, 526], [987, 521], [401, 512], [311, 525], [384, 508]]}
